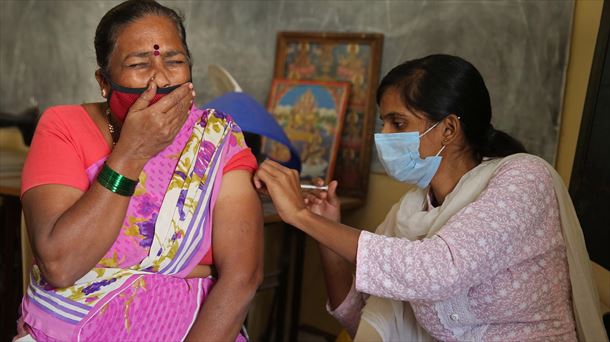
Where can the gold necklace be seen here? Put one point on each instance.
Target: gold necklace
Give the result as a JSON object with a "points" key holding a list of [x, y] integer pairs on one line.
{"points": [[114, 132]]}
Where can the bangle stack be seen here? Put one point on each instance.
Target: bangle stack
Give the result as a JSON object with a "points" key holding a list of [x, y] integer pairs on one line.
{"points": [[116, 182]]}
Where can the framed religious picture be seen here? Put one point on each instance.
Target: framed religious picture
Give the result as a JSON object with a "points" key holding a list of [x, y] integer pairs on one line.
{"points": [[312, 115], [349, 57]]}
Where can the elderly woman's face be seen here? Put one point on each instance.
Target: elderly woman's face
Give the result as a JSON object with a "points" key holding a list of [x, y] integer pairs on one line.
{"points": [[149, 47]]}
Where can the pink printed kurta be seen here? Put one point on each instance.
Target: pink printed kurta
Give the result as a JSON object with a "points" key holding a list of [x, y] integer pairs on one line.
{"points": [[496, 271]]}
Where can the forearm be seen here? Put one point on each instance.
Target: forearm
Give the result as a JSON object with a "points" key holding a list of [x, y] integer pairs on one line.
{"points": [[338, 276], [224, 310], [339, 238], [82, 234]]}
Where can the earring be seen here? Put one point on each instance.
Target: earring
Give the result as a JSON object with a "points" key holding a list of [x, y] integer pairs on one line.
{"points": [[104, 93]]}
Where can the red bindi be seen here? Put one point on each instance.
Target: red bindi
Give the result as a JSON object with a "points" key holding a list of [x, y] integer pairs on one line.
{"points": [[156, 52]]}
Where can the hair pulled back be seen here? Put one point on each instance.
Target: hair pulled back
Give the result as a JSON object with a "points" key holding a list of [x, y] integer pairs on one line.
{"points": [[440, 85]]}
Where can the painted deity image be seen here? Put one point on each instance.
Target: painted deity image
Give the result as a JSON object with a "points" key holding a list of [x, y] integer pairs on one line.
{"points": [[338, 62], [312, 115]]}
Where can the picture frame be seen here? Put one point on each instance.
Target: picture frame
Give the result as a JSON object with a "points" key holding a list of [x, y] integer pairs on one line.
{"points": [[312, 115], [333, 56]]}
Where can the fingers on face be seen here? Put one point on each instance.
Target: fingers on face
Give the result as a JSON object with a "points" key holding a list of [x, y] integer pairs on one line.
{"points": [[144, 100], [184, 93], [149, 93], [179, 113]]}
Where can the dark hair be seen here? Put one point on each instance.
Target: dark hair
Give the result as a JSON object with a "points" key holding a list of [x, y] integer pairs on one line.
{"points": [[440, 85], [126, 13]]}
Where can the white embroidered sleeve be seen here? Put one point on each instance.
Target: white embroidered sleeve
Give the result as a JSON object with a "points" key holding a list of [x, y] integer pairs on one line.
{"points": [[349, 311], [501, 228]]}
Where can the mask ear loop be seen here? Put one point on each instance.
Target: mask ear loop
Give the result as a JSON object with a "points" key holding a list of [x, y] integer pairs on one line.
{"points": [[441, 150], [429, 129]]}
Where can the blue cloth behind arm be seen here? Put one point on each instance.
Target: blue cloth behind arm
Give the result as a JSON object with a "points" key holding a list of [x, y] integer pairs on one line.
{"points": [[254, 118]]}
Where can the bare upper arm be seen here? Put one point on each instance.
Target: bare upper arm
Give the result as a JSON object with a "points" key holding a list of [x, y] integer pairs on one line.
{"points": [[238, 226]]}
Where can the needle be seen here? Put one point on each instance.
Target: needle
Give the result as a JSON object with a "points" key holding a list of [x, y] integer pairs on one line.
{"points": [[314, 187]]}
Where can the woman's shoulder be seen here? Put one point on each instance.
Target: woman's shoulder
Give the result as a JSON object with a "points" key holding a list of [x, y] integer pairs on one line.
{"points": [[524, 165], [72, 124], [524, 161], [64, 115], [63, 110]]}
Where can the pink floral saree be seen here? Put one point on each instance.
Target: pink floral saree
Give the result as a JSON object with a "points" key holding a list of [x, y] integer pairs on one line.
{"points": [[137, 291]]}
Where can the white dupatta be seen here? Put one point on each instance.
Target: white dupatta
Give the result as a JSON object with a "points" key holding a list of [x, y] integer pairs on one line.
{"points": [[391, 320]]}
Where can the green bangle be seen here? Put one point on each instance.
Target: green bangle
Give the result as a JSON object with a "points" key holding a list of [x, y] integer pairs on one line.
{"points": [[116, 182]]}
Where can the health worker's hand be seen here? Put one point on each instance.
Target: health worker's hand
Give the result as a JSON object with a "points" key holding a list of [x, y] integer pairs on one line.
{"points": [[324, 203], [283, 186]]}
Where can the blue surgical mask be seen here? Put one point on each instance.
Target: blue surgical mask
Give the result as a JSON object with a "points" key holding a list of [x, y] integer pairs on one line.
{"points": [[399, 155]]}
